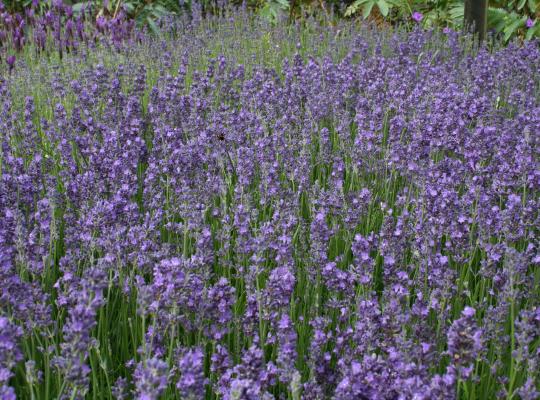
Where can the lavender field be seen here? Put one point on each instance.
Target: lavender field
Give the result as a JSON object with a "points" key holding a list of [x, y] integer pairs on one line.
{"points": [[242, 211]]}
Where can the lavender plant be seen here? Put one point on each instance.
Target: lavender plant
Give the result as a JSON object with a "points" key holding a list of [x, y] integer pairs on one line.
{"points": [[243, 211]]}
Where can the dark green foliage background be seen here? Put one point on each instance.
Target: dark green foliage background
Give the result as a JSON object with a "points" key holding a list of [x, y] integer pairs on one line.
{"points": [[506, 18]]}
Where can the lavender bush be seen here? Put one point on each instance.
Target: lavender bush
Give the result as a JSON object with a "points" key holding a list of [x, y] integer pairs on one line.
{"points": [[53, 29], [250, 212]]}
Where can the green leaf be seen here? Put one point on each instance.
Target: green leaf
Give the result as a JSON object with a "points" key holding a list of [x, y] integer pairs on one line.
{"points": [[521, 4], [533, 32], [497, 18], [367, 9], [456, 12], [402, 6], [152, 24], [79, 7], [129, 7], [271, 9], [533, 5], [384, 7], [265, 12], [500, 26], [511, 28], [162, 10], [353, 8], [284, 4]]}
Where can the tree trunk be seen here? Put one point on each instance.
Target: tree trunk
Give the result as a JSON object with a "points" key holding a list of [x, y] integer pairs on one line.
{"points": [[475, 17]]}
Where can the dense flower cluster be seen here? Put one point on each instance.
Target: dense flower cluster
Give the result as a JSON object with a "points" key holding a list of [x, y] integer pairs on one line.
{"points": [[54, 27], [354, 226]]}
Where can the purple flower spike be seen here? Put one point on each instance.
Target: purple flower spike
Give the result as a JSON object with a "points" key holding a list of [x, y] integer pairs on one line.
{"points": [[192, 382], [11, 61], [468, 312]]}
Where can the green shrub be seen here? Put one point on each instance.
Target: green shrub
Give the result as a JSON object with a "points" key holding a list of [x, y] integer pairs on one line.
{"points": [[508, 19]]}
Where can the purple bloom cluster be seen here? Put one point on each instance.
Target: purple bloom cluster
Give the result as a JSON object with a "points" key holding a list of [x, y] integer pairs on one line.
{"points": [[53, 26], [10, 355], [346, 226]]}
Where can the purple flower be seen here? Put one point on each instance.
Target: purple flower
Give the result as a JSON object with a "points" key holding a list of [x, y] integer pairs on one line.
{"points": [[417, 16], [10, 60], [119, 389], [530, 23], [260, 220], [191, 383], [468, 312], [151, 378], [220, 299], [287, 349], [10, 354], [465, 342], [7, 392]]}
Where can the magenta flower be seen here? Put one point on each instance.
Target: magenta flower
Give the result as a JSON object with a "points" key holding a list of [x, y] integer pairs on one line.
{"points": [[417, 16], [529, 23]]}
